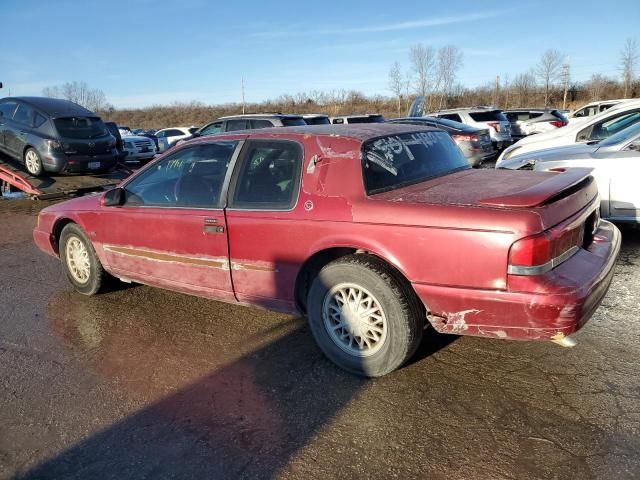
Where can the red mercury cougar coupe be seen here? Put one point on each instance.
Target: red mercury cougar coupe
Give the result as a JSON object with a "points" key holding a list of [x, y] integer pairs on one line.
{"points": [[371, 231]]}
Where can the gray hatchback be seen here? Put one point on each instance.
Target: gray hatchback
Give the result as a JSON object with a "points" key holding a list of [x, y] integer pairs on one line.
{"points": [[54, 135]]}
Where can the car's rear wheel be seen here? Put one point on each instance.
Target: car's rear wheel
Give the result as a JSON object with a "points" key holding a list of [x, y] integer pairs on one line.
{"points": [[81, 264], [33, 162], [364, 316]]}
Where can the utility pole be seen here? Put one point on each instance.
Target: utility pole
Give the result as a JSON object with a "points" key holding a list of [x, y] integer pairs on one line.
{"points": [[496, 95], [242, 88], [565, 82]]}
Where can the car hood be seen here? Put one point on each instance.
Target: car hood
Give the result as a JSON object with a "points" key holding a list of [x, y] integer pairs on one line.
{"points": [[134, 138], [568, 152], [84, 203]]}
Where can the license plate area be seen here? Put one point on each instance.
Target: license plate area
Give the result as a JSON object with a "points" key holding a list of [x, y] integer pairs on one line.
{"points": [[93, 165]]}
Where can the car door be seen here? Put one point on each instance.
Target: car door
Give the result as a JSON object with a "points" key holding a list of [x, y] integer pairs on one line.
{"points": [[7, 108], [20, 127], [171, 230], [624, 172], [261, 206]]}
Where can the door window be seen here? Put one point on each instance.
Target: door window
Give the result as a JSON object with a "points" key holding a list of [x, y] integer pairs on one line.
{"points": [[190, 178], [606, 128], [7, 109], [269, 176], [24, 115], [261, 124], [451, 116]]}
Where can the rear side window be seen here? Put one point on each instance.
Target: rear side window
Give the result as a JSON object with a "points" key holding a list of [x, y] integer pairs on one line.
{"points": [[38, 120], [173, 133], [269, 176], [7, 109], [360, 120], [488, 116], [533, 115], [240, 124], [24, 115], [338, 120], [401, 160], [293, 122], [80, 127], [261, 124]]}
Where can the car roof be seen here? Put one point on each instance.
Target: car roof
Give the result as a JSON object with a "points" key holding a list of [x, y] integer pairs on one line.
{"points": [[442, 122], [358, 131], [54, 106], [312, 115], [481, 108]]}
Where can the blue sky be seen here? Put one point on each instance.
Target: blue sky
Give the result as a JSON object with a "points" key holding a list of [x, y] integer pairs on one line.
{"points": [[144, 52]]}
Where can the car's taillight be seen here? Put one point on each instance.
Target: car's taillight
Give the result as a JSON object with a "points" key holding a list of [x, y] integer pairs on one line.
{"points": [[558, 123], [540, 253], [494, 125], [465, 138]]}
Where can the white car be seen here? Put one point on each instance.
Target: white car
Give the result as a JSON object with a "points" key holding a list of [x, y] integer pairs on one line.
{"points": [[488, 118], [168, 136], [139, 149], [593, 108], [616, 167], [594, 128]]}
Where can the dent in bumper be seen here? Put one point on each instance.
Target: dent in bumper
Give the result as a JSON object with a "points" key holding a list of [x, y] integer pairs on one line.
{"points": [[563, 301]]}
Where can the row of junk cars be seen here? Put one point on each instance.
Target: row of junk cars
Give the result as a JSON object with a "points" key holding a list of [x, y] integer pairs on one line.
{"points": [[58, 137]]}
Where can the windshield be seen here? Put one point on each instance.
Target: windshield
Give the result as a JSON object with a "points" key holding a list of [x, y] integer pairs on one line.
{"points": [[80, 127], [623, 136], [488, 116], [400, 160], [317, 121], [293, 122]]}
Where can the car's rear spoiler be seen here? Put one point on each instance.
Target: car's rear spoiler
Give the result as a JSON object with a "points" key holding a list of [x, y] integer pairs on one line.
{"points": [[543, 192]]}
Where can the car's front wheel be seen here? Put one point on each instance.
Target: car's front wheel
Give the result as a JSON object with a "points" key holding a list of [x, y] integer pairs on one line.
{"points": [[33, 162], [81, 264], [364, 316]]}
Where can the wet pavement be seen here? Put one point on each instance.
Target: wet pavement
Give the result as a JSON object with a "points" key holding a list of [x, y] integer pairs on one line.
{"points": [[144, 383]]}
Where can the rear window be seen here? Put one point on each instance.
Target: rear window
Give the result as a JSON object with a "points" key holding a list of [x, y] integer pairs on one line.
{"points": [[80, 127], [293, 122], [376, 118], [558, 114], [317, 121], [488, 116], [400, 160]]}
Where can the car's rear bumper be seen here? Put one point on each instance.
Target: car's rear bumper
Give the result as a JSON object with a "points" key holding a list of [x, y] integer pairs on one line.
{"points": [[62, 163], [563, 301]]}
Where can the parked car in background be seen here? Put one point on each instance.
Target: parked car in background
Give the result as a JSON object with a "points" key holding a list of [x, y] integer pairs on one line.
{"points": [[151, 134], [366, 118], [616, 168], [592, 129], [56, 136], [138, 149], [115, 131], [475, 143], [529, 121], [168, 136], [360, 228], [593, 108], [250, 121], [489, 117], [316, 119]]}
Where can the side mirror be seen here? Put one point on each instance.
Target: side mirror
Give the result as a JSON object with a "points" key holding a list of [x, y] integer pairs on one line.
{"points": [[113, 198]]}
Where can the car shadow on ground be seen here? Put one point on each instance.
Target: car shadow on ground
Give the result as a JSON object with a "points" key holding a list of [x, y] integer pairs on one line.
{"points": [[246, 418]]}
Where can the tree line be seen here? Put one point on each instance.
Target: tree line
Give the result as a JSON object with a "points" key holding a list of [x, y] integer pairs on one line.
{"points": [[432, 74]]}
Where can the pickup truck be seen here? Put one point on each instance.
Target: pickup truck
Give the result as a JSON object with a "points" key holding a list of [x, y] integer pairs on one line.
{"points": [[373, 232]]}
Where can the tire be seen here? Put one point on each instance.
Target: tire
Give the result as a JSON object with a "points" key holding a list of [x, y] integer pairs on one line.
{"points": [[396, 337], [33, 162], [95, 277]]}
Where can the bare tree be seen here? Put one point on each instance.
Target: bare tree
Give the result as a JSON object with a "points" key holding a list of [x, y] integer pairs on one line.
{"points": [[423, 63], [629, 61], [79, 92], [449, 63], [396, 83], [548, 71], [524, 85], [407, 89], [595, 86]]}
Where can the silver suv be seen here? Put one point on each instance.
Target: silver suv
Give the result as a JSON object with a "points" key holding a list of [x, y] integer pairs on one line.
{"points": [[485, 117]]}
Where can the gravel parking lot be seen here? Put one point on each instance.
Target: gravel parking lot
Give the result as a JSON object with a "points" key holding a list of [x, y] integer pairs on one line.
{"points": [[144, 383]]}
